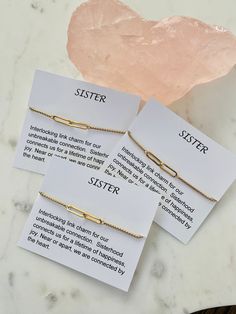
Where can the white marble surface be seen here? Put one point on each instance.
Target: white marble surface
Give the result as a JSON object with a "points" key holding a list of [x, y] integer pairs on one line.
{"points": [[171, 278]]}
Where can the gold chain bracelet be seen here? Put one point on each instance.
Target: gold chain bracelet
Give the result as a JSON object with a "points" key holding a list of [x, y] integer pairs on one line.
{"points": [[167, 168], [83, 214], [75, 124]]}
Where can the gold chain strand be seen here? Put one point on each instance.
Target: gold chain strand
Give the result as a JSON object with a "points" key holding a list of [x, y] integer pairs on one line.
{"points": [[167, 168], [75, 124], [83, 214]]}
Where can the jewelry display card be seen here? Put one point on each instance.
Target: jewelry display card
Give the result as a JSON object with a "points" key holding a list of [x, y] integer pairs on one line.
{"points": [[108, 247], [51, 127], [164, 153]]}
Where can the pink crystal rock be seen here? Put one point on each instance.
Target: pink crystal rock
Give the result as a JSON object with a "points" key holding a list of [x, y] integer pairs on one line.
{"points": [[111, 45]]}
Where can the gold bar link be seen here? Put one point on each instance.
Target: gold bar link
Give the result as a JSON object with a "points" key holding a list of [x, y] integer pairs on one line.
{"points": [[154, 158], [79, 125], [71, 123], [161, 164], [60, 120], [167, 168], [75, 124], [83, 214], [74, 210]]}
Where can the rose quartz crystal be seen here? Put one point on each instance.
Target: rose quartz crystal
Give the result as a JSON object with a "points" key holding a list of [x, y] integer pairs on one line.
{"points": [[111, 45]]}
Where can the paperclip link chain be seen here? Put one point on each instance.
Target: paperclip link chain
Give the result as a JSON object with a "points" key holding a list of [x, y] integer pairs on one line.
{"points": [[75, 124], [173, 173], [83, 214]]}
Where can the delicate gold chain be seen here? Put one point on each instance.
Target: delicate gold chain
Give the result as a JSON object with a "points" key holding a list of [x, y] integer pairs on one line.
{"points": [[75, 124], [167, 168], [83, 214]]}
